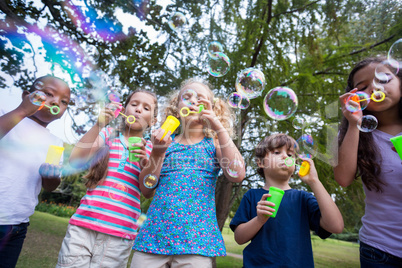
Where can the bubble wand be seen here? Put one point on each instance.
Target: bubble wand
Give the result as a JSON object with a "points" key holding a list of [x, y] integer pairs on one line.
{"points": [[185, 111], [38, 98], [117, 110], [377, 96]]}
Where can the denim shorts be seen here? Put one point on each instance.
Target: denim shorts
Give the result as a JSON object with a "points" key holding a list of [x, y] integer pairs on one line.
{"points": [[371, 257]]}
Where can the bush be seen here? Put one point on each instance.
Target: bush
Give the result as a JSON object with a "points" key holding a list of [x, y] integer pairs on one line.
{"points": [[56, 209], [351, 237]]}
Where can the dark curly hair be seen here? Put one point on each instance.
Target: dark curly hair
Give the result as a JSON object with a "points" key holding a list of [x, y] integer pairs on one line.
{"points": [[369, 168]]}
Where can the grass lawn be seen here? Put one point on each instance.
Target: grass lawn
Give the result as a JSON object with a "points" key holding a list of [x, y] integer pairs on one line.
{"points": [[46, 233]]}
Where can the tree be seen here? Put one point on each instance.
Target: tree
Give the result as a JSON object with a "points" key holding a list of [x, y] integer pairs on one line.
{"points": [[309, 46]]}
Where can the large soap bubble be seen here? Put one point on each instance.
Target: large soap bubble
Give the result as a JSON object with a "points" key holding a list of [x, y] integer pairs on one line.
{"points": [[219, 64], [357, 101], [395, 54], [367, 123], [250, 82], [280, 103]]}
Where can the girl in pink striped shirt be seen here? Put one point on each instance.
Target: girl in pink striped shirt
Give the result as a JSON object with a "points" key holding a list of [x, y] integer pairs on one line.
{"points": [[102, 231]]}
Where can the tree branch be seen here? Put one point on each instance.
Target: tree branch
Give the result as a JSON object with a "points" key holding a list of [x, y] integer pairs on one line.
{"points": [[295, 10]]}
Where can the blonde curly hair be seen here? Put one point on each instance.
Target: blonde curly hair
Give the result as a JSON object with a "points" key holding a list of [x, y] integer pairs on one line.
{"points": [[219, 106]]}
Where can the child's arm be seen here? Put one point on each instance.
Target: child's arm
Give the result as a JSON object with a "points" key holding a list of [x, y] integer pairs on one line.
{"points": [[91, 142], [346, 169], [155, 161], [9, 120], [331, 218], [50, 176], [246, 231], [226, 151]]}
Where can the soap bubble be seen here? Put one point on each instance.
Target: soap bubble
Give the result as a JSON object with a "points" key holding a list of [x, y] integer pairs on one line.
{"points": [[177, 21], [37, 97], [280, 103], [214, 47], [383, 72], [299, 122], [357, 101], [113, 96], [118, 191], [150, 181], [188, 96], [307, 146], [367, 123], [233, 165], [236, 100], [219, 64], [38, 85], [250, 83], [141, 220], [395, 54]]}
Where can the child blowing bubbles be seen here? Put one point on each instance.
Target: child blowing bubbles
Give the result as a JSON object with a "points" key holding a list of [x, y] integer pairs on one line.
{"points": [[24, 142], [181, 228], [283, 241], [370, 156], [102, 230]]}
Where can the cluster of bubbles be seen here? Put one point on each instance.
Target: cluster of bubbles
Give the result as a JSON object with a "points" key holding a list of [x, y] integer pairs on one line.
{"points": [[219, 62], [236, 100], [382, 75]]}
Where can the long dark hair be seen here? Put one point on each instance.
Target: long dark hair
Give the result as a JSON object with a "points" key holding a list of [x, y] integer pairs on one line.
{"points": [[99, 164], [367, 153]]}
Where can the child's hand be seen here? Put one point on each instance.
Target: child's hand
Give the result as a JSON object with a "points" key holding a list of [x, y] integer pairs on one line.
{"points": [[27, 107], [106, 115], [208, 116], [351, 117], [48, 171], [160, 145], [264, 208], [312, 176], [141, 153]]}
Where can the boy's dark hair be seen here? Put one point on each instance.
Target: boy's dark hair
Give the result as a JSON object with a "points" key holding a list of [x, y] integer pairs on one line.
{"points": [[368, 167], [99, 164], [270, 143], [34, 85]]}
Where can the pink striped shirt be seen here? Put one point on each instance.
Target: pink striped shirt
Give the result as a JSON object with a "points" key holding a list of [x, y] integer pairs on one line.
{"points": [[113, 206]]}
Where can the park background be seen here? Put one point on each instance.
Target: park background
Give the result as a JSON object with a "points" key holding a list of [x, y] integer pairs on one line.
{"points": [[308, 46]]}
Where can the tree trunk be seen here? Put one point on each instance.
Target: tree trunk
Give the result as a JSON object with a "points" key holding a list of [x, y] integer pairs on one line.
{"points": [[223, 196]]}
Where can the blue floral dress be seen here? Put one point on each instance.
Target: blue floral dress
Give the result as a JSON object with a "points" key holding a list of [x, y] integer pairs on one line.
{"points": [[182, 217]]}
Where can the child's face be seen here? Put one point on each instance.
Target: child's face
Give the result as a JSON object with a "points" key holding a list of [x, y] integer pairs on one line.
{"points": [[57, 94], [274, 163], [142, 107], [203, 96], [363, 81]]}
